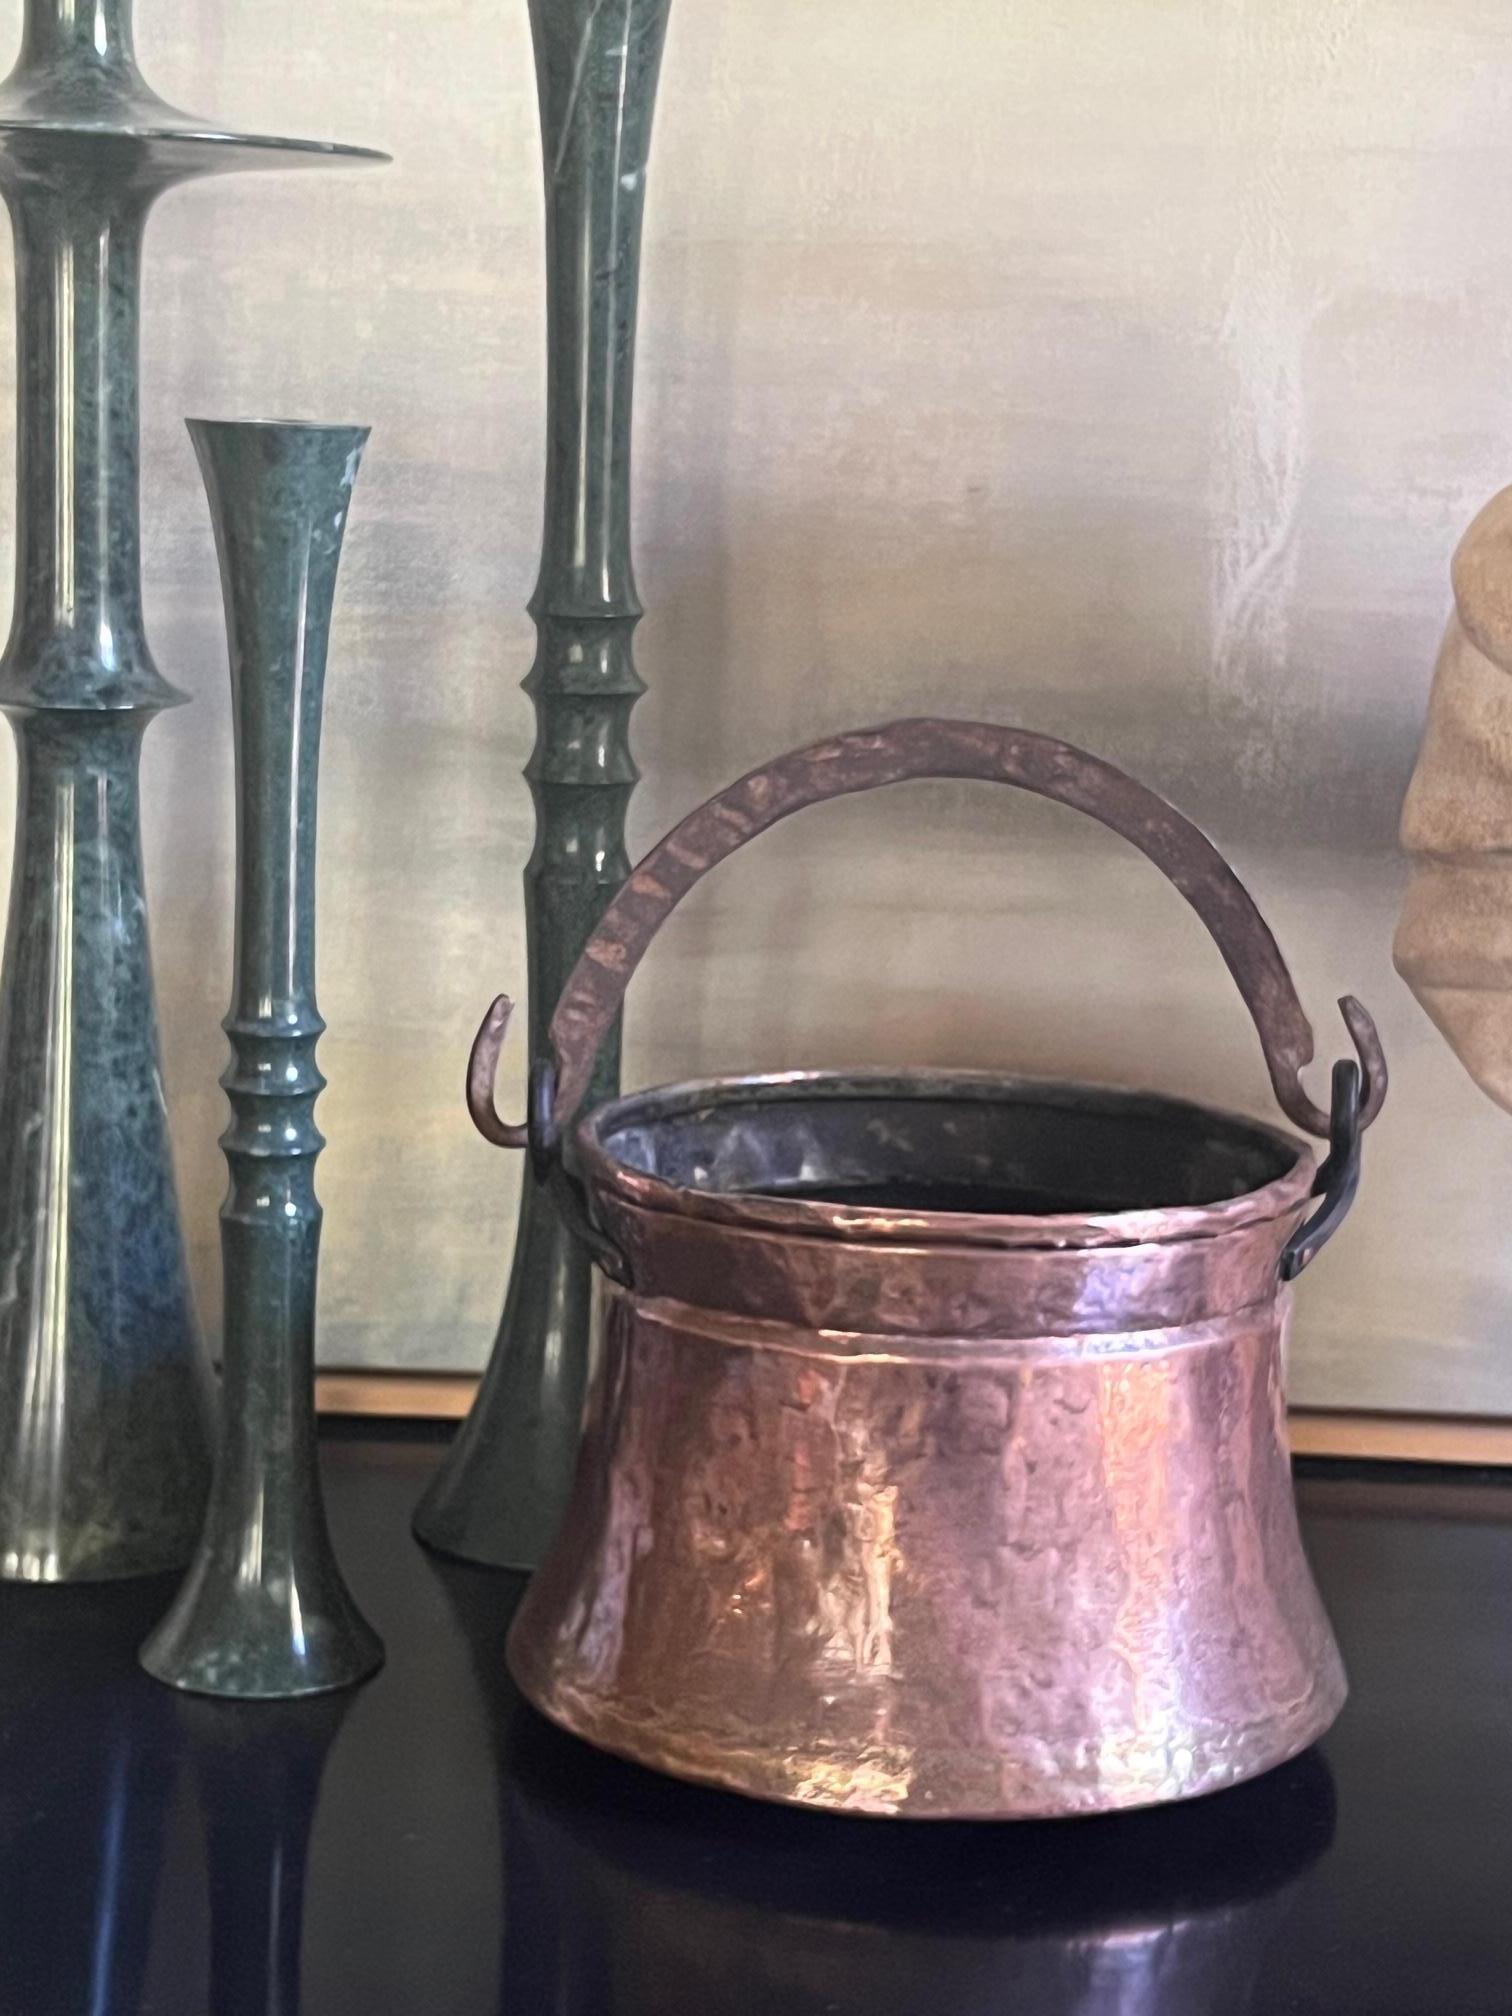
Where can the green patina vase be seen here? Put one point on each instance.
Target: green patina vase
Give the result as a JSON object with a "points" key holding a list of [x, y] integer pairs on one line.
{"points": [[264, 1612], [105, 1403], [499, 1497]]}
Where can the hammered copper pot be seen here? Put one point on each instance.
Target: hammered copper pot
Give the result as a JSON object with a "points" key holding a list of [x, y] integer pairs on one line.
{"points": [[936, 1459]]}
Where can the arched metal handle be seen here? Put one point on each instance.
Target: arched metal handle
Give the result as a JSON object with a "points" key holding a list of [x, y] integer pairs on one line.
{"points": [[864, 760]]}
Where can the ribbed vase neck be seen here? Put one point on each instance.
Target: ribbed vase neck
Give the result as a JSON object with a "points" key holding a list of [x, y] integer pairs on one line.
{"points": [[78, 31]]}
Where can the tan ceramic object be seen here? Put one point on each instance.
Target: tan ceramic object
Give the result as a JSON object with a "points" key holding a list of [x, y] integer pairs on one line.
{"points": [[1454, 940]]}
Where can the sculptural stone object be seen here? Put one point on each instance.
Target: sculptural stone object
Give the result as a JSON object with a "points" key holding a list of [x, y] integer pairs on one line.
{"points": [[1454, 940], [263, 1610], [501, 1492], [104, 1396]]}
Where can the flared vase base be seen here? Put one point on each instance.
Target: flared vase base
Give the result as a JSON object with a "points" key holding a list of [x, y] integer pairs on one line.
{"points": [[239, 1664], [477, 1542]]}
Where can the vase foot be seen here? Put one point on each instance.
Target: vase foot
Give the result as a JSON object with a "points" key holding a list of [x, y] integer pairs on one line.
{"points": [[258, 1644]]}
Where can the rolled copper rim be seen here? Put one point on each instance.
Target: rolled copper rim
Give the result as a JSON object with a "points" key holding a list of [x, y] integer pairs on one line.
{"points": [[817, 1218]]}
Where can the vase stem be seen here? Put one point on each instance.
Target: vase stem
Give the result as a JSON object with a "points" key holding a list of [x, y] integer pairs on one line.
{"points": [[264, 1610], [77, 636], [77, 30]]}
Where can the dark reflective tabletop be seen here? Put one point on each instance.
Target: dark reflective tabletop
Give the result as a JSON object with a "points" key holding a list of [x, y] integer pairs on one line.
{"points": [[427, 1845]]}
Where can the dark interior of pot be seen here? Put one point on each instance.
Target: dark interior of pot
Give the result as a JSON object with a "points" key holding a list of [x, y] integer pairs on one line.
{"points": [[1000, 1146]]}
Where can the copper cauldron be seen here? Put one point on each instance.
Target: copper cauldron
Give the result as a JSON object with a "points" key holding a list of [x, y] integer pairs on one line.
{"points": [[936, 1461]]}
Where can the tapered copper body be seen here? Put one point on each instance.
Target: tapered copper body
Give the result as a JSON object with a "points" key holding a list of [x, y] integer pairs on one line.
{"points": [[936, 1460]]}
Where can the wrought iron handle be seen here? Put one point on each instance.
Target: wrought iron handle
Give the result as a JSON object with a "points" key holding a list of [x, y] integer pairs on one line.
{"points": [[864, 760]]}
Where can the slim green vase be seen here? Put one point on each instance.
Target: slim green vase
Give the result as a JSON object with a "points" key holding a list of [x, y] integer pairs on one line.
{"points": [[264, 1612], [499, 1496]]}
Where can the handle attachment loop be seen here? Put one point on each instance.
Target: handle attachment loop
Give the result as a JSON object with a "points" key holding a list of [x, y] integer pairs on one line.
{"points": [[1337, 1180], [539, 1134]]}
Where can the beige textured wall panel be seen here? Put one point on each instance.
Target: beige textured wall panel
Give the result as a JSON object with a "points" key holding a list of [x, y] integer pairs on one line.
{"points": [[1124, 371]]}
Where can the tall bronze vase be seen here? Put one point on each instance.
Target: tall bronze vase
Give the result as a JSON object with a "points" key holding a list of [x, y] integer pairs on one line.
{"points": [[500, 1494], [104, 1401], [264, 1612]]}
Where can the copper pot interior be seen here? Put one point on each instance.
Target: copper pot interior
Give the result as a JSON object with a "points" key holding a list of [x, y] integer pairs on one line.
{"points": [[936, 1143]]}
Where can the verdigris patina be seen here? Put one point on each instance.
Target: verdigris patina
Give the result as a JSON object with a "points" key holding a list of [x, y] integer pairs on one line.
{"points": [[264, 1611], [104, 1393], [501, 1492]]}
